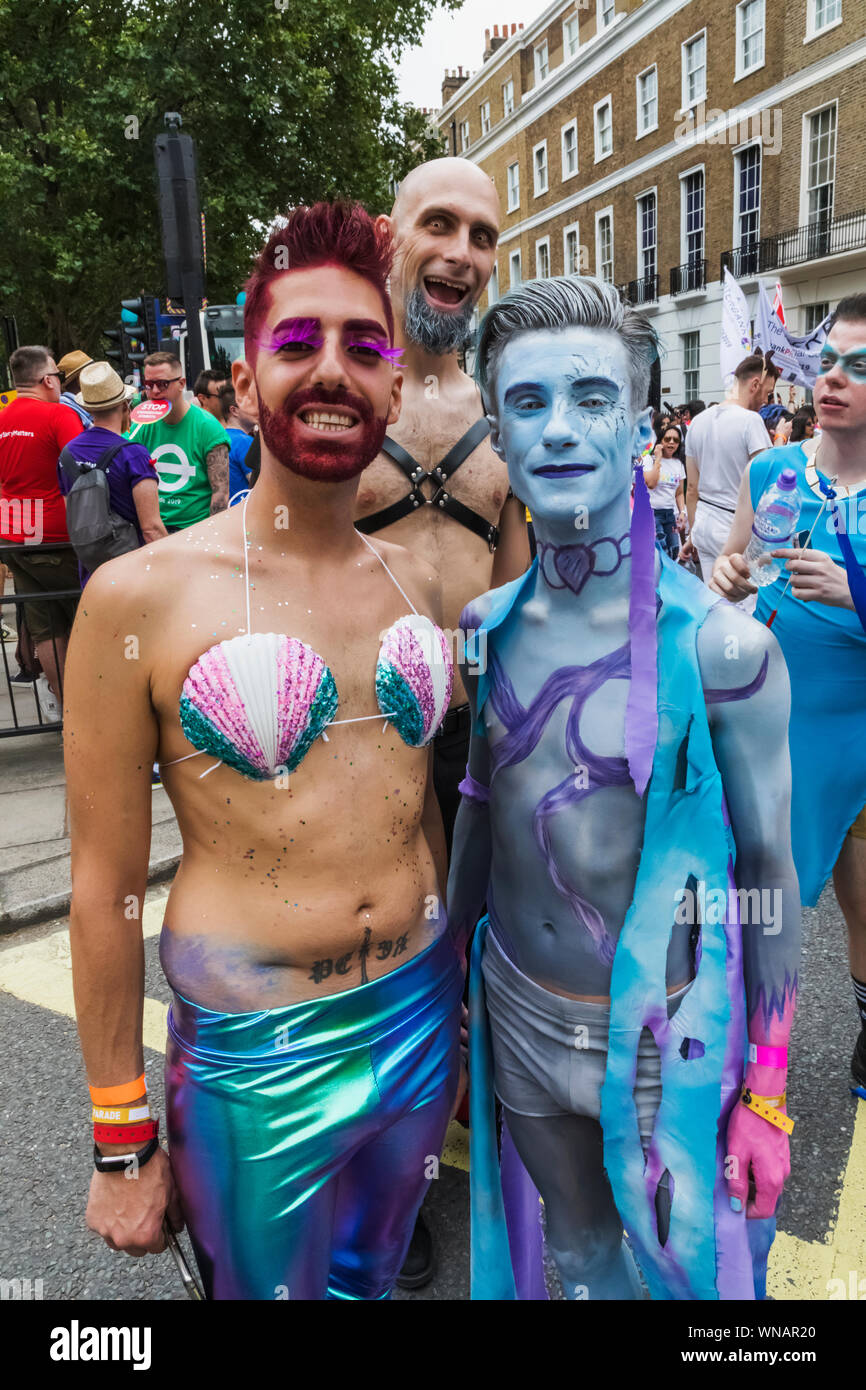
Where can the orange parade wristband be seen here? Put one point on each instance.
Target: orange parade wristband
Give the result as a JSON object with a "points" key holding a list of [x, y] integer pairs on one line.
{"points": [[760, 1105], [119, 1095]]}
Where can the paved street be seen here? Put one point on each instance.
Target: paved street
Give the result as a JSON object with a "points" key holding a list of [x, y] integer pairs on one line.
{"points": [[46, 1167]]}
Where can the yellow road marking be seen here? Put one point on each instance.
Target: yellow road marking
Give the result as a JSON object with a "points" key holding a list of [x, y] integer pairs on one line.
{"points": [[803, 1269]]}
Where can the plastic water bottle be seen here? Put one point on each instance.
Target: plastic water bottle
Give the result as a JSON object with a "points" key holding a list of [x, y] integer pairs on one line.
{"points": [[773, 528]]}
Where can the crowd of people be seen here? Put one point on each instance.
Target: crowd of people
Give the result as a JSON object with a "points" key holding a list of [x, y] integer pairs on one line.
{"points": [[317, 955], [161, 477]]}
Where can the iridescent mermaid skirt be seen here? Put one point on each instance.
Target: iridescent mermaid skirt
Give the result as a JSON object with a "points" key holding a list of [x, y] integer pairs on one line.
{"points": [[303, 1139]]}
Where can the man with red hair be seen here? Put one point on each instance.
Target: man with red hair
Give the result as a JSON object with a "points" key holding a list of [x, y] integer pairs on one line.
{"points": [[313, 1048]]}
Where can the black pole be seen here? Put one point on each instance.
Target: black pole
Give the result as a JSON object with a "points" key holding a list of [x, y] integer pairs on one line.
{"points": [[181, 233]]}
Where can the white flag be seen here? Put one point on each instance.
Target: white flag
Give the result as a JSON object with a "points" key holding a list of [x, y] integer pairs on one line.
{"points": [[736, 336], [799, 358]]}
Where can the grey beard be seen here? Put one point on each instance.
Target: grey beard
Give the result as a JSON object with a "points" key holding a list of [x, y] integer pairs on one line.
{"points": [[432, 329]]}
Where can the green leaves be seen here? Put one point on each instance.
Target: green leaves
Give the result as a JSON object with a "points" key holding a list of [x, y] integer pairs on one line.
{"points": [[288, 101]]}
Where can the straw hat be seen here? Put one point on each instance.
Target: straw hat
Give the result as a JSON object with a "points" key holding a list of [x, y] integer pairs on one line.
{"points": [[101, 387], [71, 365]]}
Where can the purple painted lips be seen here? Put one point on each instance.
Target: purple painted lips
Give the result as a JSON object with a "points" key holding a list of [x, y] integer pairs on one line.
{"points": [[563, 470]]}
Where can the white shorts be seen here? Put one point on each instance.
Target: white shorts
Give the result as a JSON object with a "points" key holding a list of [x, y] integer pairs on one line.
{"points": [[710, 534]]}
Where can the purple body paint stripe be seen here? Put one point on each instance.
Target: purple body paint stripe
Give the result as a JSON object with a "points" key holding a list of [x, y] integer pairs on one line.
{"points": [[475, 791], [740, 692], [525, 728]]}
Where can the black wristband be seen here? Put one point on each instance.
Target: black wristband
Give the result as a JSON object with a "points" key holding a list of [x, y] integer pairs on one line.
{"points": [[119, 1163]]}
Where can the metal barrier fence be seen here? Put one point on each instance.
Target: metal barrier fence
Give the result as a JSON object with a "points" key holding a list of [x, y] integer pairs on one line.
{"points": [[14, 685]]}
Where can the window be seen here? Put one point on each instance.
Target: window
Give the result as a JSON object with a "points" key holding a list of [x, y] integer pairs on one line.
{"points": [[813, 314], [750, 36], [646, 235], [647, 101], [569, 149], [604, 245], [691, 365], [747, 205], [485, 117], [539, 168], [694, 70], [603, 129], [513, 187], [464, 135], [493, 286], [570, 39], [514, 269], [541, 63], [693, 217], [822, 14], [571, 250], [542, 259], [821, 171], [605, 12], [508, 97]]}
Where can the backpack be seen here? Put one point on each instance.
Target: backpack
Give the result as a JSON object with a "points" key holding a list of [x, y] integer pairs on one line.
{"points": [[96, 532]]}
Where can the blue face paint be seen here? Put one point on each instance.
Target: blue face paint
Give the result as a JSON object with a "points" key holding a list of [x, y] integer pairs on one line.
{"points": [[853, 364], [565, 424]]}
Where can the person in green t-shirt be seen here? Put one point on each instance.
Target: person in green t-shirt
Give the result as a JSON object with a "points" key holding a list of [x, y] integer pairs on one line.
{"points": [[189, 447]]}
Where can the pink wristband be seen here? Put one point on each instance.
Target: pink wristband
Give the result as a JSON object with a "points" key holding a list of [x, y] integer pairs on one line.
{"points": [[768, 1056]]}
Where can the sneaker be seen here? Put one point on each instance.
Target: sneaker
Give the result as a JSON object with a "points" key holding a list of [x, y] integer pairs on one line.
{"points": [[155, 776], [857, 1083], [419, 1265], [6, 634], [51, 711]]}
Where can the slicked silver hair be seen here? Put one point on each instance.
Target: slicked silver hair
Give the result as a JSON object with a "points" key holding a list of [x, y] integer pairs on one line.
{"points": [[565, 301]]}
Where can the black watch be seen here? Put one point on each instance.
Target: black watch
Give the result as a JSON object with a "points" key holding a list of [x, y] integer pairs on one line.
{"points": [[119, 1163]]}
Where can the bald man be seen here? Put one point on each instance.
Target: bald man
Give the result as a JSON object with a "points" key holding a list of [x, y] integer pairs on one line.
{"points": [[437, 487], [459, 517]]}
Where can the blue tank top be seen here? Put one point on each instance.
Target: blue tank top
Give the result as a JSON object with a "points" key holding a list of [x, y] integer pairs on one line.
{"points": [[825, 650]]}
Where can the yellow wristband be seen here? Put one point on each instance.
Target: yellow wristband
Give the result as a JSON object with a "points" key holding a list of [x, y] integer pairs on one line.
{"points": [[121, 1114], [760, 1105]]}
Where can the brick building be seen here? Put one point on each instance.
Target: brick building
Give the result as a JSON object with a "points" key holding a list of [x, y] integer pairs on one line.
{"points": [[653, 143]]}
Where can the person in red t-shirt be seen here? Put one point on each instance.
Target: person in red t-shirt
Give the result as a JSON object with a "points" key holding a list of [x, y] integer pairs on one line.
{"points": [[33, 430]]}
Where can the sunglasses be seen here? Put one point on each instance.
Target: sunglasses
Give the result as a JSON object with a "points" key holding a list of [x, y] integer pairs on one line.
{"points": [[159, 385]]}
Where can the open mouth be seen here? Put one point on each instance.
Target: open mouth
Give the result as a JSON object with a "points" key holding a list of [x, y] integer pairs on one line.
{"points": [[833, 402], [443, 293], [327, 421], [563, 470]]}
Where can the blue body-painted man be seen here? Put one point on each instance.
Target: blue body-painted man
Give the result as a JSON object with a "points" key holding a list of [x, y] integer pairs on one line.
{"points": [[619, 993]]}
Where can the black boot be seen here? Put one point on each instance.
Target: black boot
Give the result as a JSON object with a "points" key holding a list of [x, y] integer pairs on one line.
{"points": [[858, 1067], [419, 1265]]}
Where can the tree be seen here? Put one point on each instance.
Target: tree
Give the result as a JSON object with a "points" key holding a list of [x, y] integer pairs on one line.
{"points": [[289, 101]]}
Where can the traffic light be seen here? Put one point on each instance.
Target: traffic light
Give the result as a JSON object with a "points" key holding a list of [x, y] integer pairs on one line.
{"points": [[115, 349], [140, 321]]}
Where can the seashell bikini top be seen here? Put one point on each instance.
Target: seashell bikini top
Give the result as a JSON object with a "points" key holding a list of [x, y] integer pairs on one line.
{"points": [[258, 701]]}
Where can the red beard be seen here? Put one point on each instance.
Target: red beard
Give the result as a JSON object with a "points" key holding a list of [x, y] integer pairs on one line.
{"points": [[331, 459]]}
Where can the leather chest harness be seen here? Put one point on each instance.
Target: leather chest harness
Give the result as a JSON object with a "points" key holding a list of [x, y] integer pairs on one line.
{"points": [[439, 475]]}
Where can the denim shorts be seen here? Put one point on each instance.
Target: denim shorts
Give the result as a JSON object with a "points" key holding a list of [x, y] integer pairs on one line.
{"points": [[550, 1053]]}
